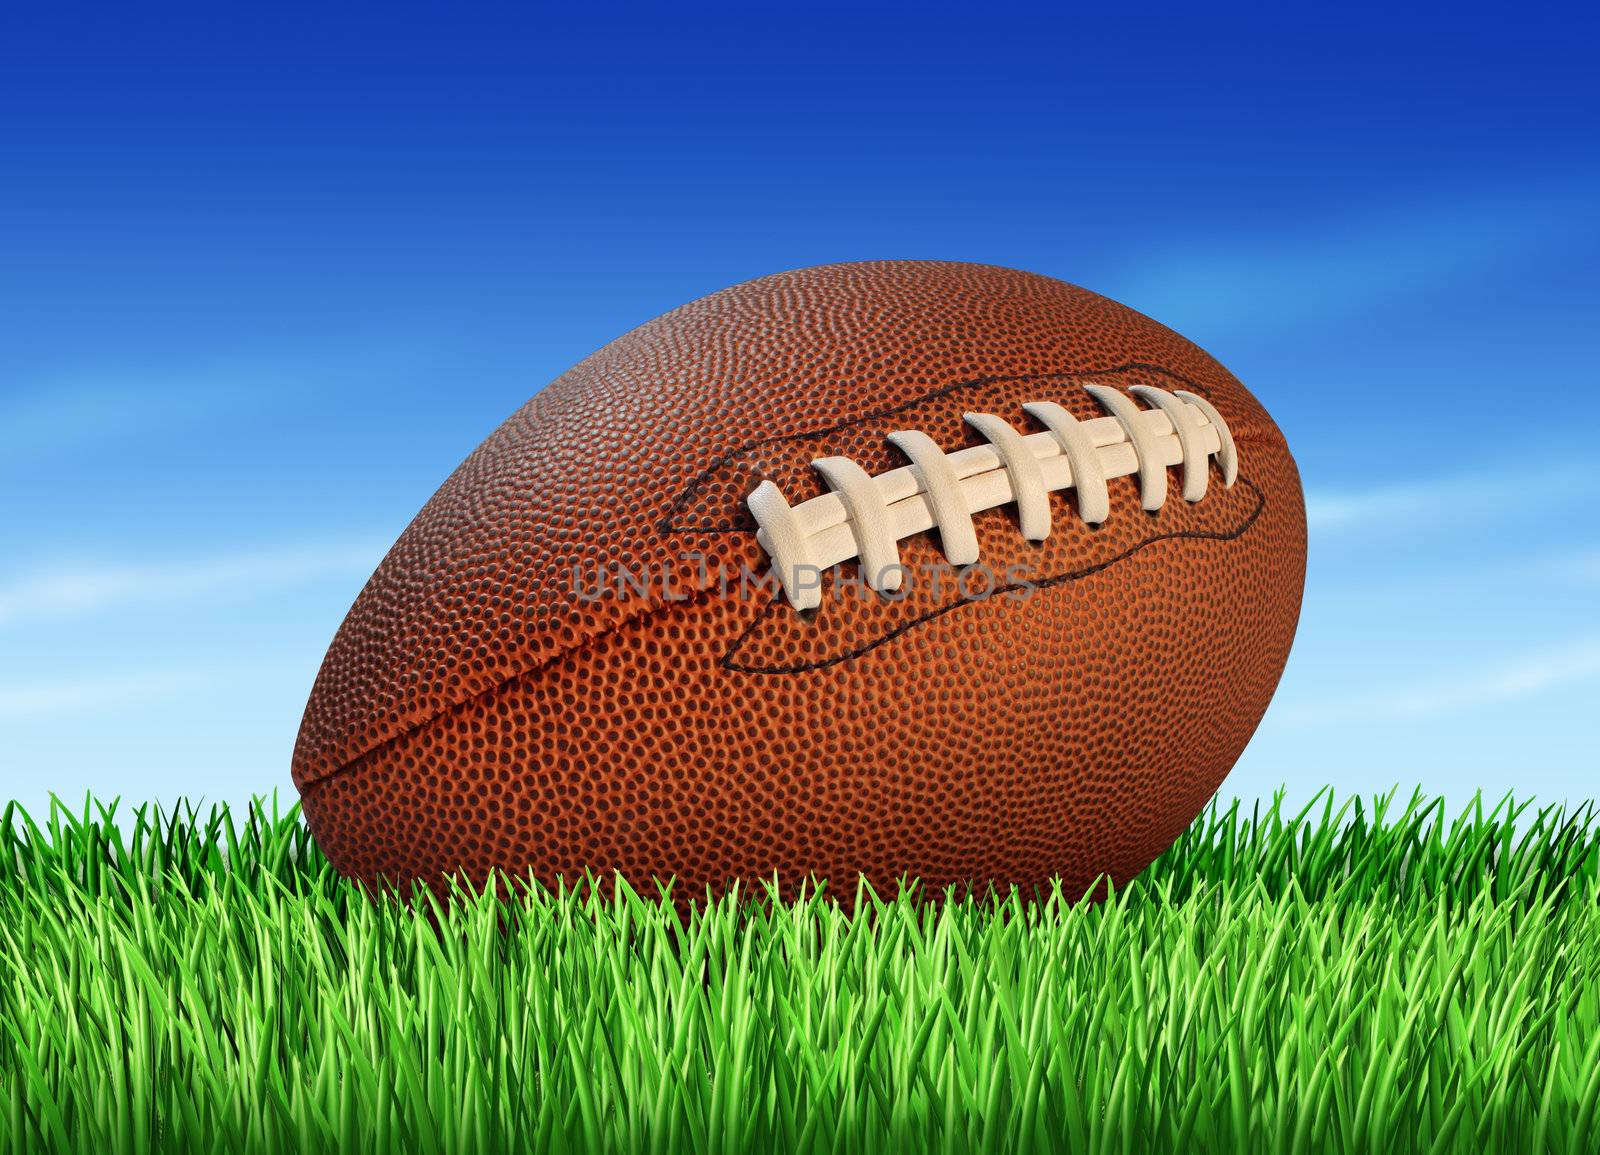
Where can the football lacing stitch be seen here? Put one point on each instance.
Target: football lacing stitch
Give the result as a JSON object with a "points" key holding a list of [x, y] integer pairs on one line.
{"points": [[867, 517]]}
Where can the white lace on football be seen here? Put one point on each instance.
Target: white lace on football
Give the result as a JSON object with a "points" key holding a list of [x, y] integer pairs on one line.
{"points": [[867, 517]]}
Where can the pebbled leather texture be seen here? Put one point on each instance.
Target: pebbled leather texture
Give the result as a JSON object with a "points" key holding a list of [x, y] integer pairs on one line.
{"points": [[482, 708]]}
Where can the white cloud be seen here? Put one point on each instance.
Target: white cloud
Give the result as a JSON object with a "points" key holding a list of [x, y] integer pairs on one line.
{"points": [[1448, 578], [1581, 566], [85, 413], [1441, 499], [31, 699], [75, 408], [1507, 680], [74, 590], [1364, 260]]}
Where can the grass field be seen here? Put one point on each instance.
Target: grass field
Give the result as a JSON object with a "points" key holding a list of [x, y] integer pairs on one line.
{"points": [[1354, 978]]}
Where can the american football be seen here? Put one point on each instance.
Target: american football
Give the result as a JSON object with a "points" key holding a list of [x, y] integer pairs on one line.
{"points": [[459, 698], [892, 570]]}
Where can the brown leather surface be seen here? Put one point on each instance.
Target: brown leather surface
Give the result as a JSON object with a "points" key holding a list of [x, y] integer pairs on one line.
{"points": [[481, 708]]}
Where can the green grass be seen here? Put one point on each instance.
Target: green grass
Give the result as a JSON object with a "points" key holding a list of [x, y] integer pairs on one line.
{"points": [[1357, 979]]}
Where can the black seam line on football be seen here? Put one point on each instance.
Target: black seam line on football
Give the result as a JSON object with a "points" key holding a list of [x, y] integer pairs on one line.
{"points": [[681, 504], [729, 660]]}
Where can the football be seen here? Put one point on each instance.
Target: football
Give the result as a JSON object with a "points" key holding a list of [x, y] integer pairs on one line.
{"points": [[899, 570]]}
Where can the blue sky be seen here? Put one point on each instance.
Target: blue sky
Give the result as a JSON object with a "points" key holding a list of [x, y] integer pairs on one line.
{"points": [[268, 272]]}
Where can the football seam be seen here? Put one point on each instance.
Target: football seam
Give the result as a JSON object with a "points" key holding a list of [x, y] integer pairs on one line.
{"points": [[651, 610], [728, 662], [576, 649]]}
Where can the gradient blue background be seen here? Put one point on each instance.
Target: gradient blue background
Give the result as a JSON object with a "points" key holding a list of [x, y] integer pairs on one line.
{"points": [[268, 272]]}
